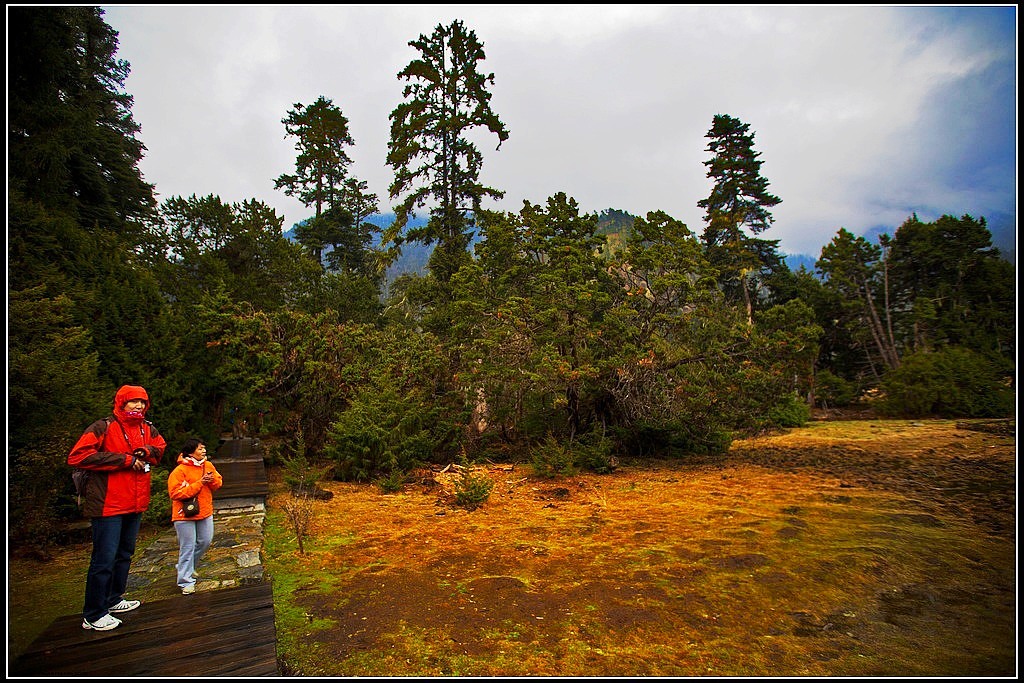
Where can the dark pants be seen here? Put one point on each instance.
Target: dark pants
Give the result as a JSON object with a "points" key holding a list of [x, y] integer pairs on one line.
{"points": [[113, 544]]}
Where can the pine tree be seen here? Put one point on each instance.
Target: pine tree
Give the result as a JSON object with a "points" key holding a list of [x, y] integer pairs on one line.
{"points": [[71, 136], [853, 268], [950, 286], [739, 198], [446, 97], [85, 311], [322, 182], [77, 202]]}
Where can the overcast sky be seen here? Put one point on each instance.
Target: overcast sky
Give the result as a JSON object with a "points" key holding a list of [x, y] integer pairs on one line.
{"points": [[862, 115]]}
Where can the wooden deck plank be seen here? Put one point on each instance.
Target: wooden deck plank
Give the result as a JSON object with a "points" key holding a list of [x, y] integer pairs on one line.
{"points": [[244, 477], [211, 633]]}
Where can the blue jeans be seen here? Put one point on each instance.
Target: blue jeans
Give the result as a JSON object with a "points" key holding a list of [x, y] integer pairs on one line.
{"points": [[113, 544], [194, 537]]}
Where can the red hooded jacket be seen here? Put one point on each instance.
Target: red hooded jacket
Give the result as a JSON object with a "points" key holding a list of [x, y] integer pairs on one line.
{"points": [[106, 449]]}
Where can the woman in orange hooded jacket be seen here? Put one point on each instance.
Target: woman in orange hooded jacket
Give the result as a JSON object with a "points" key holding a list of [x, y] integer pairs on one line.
{"points": [[195, 475]]}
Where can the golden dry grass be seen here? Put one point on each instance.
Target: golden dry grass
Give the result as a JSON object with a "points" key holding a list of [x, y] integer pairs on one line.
{"points": [[882, 548]]}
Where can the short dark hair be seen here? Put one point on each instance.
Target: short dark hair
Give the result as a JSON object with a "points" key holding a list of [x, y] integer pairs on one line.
{"points": [[191, 445]]}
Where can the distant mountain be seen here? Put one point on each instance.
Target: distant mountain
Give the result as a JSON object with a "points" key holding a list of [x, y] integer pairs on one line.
{"points": [[614, 224], [414, 255], [794, 261], [612, 221]]}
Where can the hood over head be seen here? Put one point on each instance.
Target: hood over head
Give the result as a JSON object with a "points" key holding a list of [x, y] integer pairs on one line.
{"points": [[125, 394]]}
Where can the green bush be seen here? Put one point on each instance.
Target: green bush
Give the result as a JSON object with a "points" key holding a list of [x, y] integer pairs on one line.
{"points": [[472, 490], [382, 432], [551, 459], [791, 411], [159, 511], [643, 440], [833, 391], [392, 482], [40, 495], [593, 452], [710, 439], [402, 411], [952, 382]]}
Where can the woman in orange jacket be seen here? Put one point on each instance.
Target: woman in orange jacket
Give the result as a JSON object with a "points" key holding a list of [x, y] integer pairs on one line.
{"points": [[195, 475]]}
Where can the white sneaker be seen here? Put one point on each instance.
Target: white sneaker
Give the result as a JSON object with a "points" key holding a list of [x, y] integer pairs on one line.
{"points": [[124, 606], [104, 623], [188, 590]]}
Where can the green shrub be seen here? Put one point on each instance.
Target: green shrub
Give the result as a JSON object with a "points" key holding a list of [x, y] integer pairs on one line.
{"points": [[791, 411], [551, 459], [472, 490], [298, 471], [952, 382], [593, 452], [643, 440], [159, 511], [272, 454], [709, 440], [40, 495], [392, 482], [383, 431], [832, 390]]}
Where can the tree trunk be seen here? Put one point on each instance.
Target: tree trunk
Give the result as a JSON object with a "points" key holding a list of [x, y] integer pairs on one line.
{"points": [[886, 347]]}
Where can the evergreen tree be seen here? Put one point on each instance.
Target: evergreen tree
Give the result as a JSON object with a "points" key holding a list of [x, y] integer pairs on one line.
{"points": [[237, 249], [540, 296], [321, 167], [353, 254], [738, 198], [77, 202], [322, 180], [446, 97], [52, 391], [87, 313], [71, 136], [839, 356], [951, 286], [853, 269], [664, 273]]}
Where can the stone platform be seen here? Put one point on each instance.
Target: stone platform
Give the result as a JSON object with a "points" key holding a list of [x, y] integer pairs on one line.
{"points": [[233, 559]]}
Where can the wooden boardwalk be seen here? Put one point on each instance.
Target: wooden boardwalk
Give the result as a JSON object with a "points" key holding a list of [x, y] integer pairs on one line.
{"points": [[227, 632], [222, 632], [240, 462], [243, 478]]}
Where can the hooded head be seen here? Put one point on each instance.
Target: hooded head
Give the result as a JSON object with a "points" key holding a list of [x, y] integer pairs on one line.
{"points": [[124, 395]]}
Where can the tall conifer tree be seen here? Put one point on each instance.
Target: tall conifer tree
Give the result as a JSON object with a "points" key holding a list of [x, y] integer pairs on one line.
{"points": [[739, 198], [85, 312], [77, 200], [321, 180], [446, 96]]}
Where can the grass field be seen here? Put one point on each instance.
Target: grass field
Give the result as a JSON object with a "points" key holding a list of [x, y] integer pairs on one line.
{"points": [[862, 548]]}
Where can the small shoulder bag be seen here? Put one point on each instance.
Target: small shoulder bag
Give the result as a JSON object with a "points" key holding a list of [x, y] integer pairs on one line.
{"points": [[190, 506]]}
